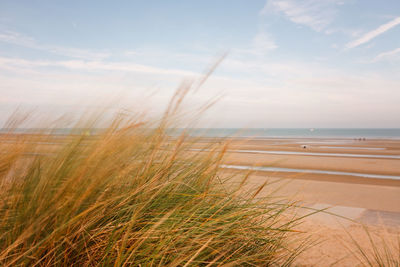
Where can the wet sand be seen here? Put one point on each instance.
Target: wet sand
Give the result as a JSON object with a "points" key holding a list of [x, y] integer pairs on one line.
{"points": [[344, 190], [352, 190], [379, 157], [363, 201], [334, 163]]}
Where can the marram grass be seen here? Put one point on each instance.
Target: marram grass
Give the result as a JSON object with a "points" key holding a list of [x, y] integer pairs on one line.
{"points": [[376, 250], [132, 195]]}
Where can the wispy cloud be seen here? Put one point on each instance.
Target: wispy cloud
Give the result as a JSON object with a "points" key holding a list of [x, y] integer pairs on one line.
{"points": [[315, 14], [130, 53], [263, 43], [374, 33], [17, 38], [288, 89], [29, 42], [260, 45], [82, 65], [387, 54]]}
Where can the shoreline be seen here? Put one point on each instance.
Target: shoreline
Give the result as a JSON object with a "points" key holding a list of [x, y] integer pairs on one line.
{"points": [[347, 179], [310, 159], [344, 190]]}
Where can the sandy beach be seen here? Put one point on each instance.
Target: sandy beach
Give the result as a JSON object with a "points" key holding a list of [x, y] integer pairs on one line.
{"points": [[346, 190], [374, 202], [298, 167], [315, 170]]}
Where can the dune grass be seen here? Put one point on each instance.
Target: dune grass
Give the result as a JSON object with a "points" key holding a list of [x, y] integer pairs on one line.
{"points": [[132, 195], [377, 250]]}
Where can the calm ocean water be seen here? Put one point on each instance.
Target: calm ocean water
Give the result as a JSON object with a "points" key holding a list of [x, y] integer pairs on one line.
{"points": [[392, 133]]}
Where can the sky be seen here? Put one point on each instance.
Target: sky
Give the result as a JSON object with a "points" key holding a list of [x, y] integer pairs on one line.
{"points": [[289, 63]]}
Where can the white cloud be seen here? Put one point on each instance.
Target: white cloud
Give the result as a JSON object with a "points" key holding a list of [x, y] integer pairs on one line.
{"points": [[82, 65], [277, 94], [17, 38], [131, 53], [374, 33], [316, 14], [260, 45], [387, 54], [29, 42], [352, 33], [263, 43]]}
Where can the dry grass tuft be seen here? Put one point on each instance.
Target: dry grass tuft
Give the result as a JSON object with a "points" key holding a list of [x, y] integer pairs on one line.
{"points": [[131, 195], [377, 248]]}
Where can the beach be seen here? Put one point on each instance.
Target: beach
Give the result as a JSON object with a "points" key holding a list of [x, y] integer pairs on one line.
{"points": [[352, 157], [335, 171], [373, 202], [351, 183]]}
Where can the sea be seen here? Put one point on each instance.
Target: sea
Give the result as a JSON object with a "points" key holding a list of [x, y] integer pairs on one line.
{"points": [[261, 133], [371, 133]]}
